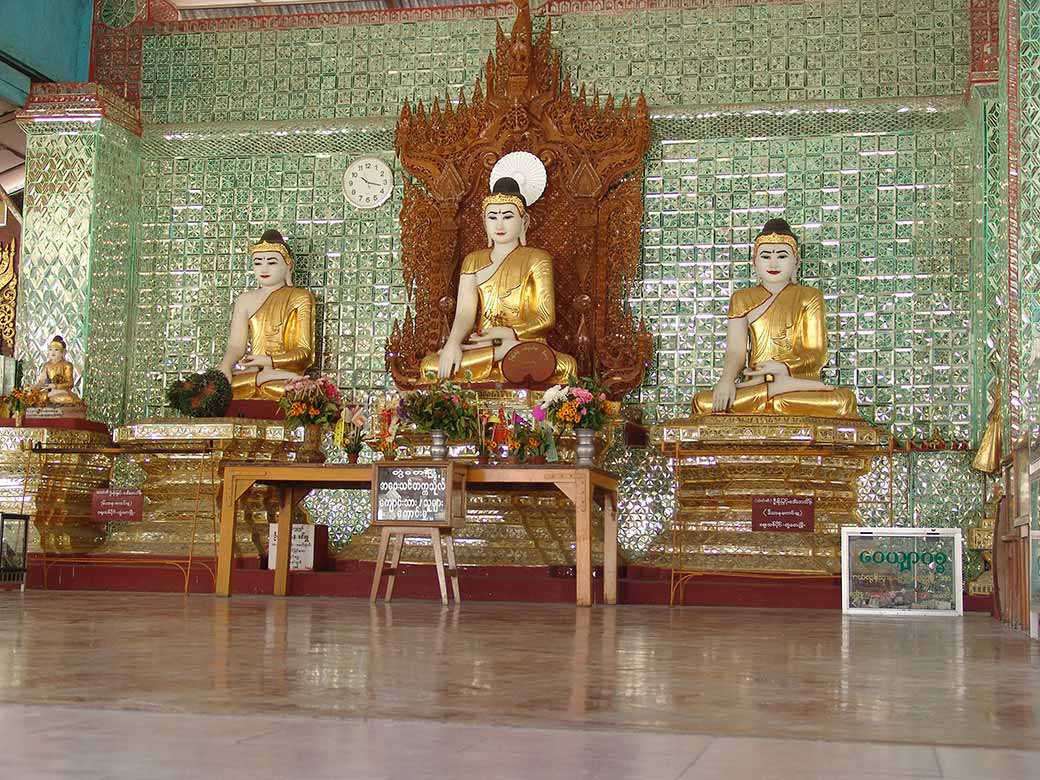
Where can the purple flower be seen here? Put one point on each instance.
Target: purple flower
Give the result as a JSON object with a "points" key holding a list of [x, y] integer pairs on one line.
{"points": [[538, 413]]}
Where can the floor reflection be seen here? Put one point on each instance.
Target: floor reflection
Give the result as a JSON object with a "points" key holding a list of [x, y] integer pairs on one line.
{"points": [[723, 671]]}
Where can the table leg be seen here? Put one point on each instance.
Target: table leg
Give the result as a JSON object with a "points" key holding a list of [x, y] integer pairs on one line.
{"points": [[281, 565], [454, 566], [395, 561], [583, 538], [226, 549], [609, 547], [384, 540], [438, 556]]}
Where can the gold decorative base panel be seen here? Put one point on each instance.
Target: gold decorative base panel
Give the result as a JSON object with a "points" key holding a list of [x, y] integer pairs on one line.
{"points": [[722, 462], [182, 484], [55, 489]]}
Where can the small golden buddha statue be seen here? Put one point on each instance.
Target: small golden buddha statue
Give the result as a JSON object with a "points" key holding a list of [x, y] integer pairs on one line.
{"points": [[56, 377], [506, 294], [272, 327], [786, 326]]}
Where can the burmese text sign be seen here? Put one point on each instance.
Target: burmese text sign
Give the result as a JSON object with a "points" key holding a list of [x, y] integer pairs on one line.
{"points": [[783, 514], [116, 505]]}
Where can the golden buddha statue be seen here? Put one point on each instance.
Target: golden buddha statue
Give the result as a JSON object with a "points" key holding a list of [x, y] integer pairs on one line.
{"points": [[506, 295], [786, 326], [56, 377], [272, 327]]}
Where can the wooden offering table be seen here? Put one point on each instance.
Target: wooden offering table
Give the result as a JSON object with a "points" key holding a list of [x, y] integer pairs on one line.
{"points": [[293, 481]]}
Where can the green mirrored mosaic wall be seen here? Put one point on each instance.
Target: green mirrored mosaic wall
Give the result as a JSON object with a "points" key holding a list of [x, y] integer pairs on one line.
{"points": [[846, 117], [707, 54], [885, 217]]}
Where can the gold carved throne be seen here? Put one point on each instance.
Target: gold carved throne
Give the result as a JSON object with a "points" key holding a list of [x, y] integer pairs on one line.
{"points": [[588, 220]]}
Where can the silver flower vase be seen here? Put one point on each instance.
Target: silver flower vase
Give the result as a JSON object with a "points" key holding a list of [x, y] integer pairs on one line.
{"points": [[585, 450], [438, 445]]}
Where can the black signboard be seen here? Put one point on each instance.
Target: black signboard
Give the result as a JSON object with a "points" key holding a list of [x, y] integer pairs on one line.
{"points": [[412, 493]]}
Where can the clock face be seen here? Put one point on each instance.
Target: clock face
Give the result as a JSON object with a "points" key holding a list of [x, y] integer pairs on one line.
{"points": [[368, 182]]}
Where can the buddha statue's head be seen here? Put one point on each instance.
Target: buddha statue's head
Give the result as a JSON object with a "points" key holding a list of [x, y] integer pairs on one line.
{"points": [[505, 214], [775, 254], [56, 350], [272, 260], [517, 181]]}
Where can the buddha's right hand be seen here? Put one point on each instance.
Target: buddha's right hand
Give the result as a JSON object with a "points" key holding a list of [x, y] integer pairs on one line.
{"points": [[723, 395], [449, 361]]}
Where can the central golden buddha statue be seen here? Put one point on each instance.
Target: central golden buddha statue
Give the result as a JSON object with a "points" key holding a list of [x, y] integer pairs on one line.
{"points": [[506, 293], [785, 324], [272, 327]]}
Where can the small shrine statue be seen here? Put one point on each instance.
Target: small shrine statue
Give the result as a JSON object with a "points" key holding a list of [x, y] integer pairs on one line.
{"points": [[506, 298], [785, 324], [56, 377], [272, 326]]}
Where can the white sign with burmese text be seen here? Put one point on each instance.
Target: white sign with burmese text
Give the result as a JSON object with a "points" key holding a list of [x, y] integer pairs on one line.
{"points": [[301, 553]]}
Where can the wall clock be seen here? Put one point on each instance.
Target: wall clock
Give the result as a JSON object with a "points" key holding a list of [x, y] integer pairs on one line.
{"points": [[368, 182]]}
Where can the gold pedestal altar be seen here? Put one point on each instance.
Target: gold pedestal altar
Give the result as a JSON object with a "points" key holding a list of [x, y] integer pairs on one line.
{"points": [[55, 488], [182, 483], [722, 462]]}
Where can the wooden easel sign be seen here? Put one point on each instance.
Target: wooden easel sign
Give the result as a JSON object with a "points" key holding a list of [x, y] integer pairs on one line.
{"points": [[419, 494]]}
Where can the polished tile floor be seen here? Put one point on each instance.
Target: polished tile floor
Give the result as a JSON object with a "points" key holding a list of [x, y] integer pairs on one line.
{"points": [[151, 686]]}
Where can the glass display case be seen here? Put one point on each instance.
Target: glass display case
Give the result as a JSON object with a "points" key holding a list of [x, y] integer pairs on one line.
{"points": [[14, 537], [901, 571]]}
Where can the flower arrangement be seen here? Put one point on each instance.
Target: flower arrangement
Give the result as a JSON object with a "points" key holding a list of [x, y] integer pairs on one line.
{"points": [[309, 401], [201, 395], [578, 405], [349, 434], [20, 399], [532, 441], [386, 424], [443, 406]]}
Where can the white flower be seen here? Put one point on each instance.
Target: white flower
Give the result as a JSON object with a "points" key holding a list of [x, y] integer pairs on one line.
{"points": [[552, 395]]}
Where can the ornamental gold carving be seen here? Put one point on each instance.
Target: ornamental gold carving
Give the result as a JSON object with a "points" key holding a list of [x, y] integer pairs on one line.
{"points": [[588, 220], [8, 296]]}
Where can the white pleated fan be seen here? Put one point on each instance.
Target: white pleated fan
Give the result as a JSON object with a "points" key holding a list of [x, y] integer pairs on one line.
{"points": [[526, 169]]}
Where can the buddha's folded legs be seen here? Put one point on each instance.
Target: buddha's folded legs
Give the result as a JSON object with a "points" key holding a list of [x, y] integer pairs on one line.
{"points": [[749, 400], [478, 362], [837, 402], [481, 365], [244, 387]]}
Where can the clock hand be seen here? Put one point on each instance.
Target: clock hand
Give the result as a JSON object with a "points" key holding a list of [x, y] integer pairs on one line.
{"points": [[366, 181]]}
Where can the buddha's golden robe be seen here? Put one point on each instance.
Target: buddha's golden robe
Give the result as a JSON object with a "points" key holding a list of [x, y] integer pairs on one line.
{"points": [[283, 327], [792, 331], [519, 295], [60, 375]]}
